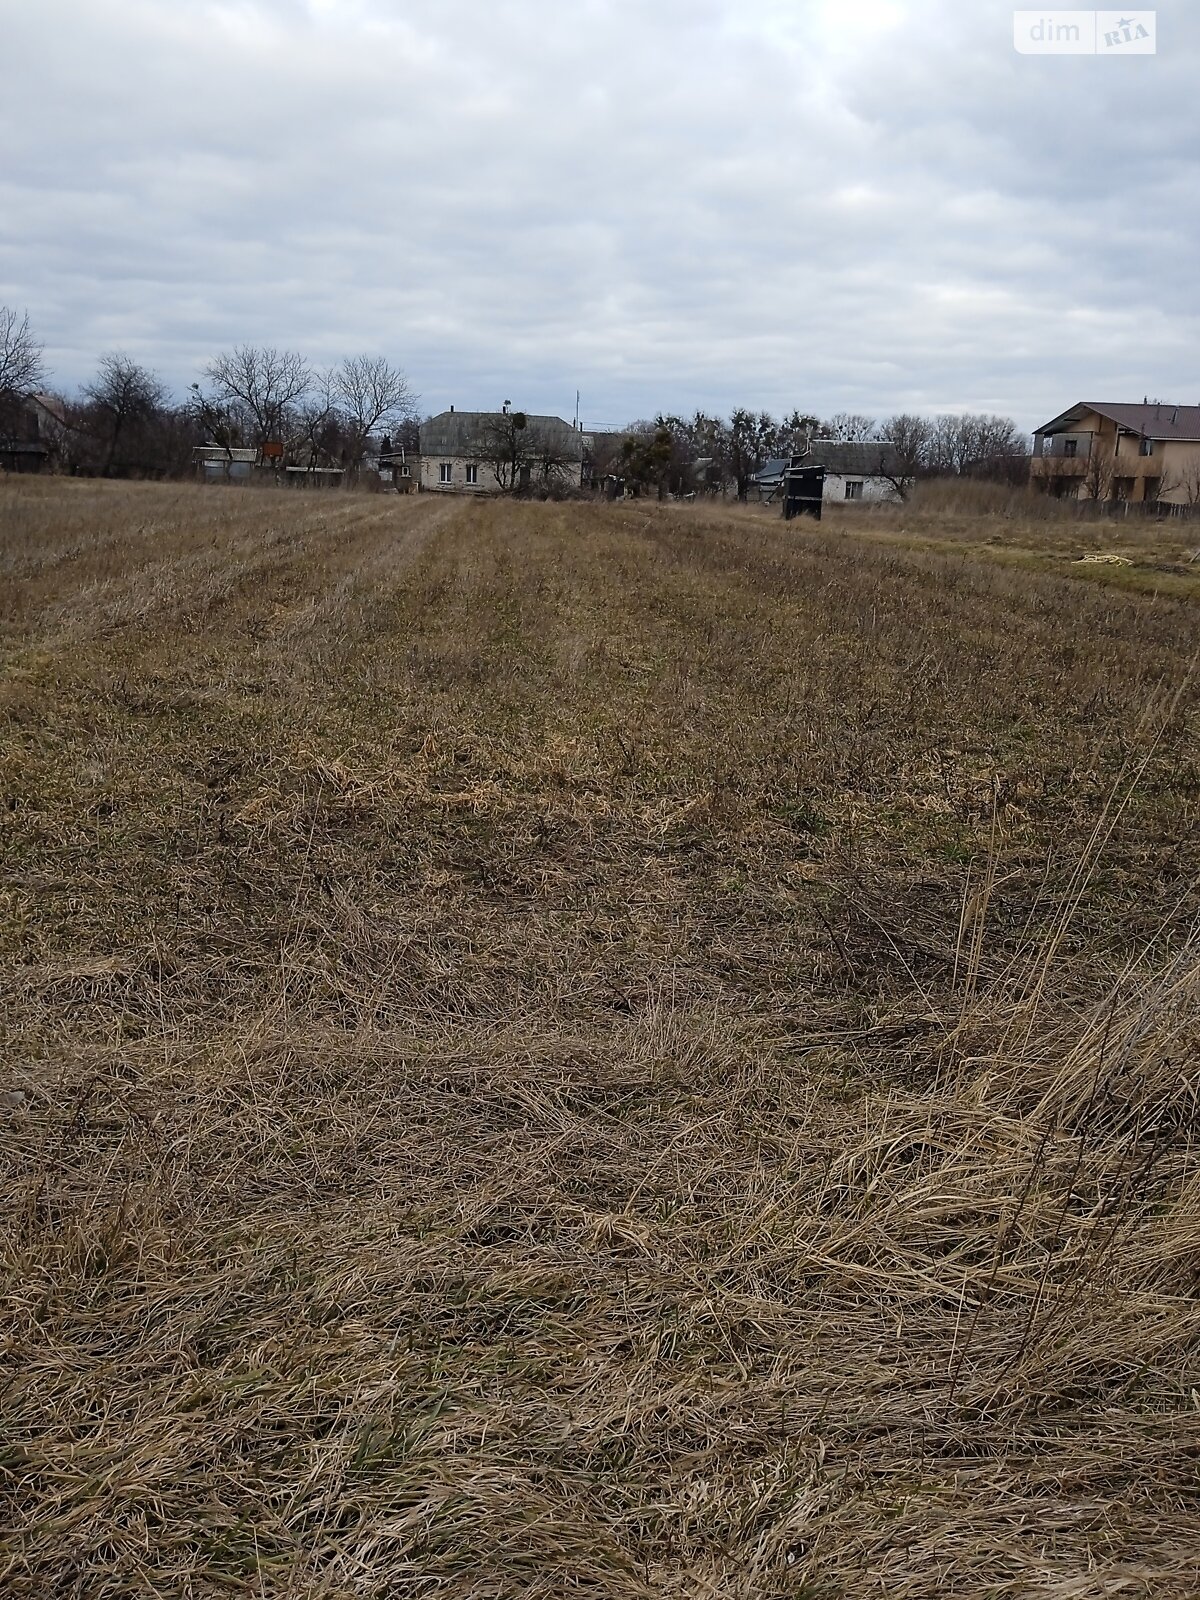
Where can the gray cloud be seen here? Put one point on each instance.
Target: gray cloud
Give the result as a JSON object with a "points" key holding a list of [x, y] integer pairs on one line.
{"points": [[865, 204]]}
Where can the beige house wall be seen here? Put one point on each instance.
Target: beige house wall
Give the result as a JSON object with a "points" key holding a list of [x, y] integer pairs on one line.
{"points": [[571, 473], [1174, 463], [431, 476], [1180, 469]]}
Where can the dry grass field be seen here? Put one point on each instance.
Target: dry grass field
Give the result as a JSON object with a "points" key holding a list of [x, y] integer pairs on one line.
{"points": [[596, 1050]]}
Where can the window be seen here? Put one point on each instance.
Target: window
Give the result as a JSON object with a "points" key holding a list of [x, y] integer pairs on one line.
{"points": [[854, 488], [404, 472], [1147, 447], [444, 471], [1070, 447], [472, 474]]}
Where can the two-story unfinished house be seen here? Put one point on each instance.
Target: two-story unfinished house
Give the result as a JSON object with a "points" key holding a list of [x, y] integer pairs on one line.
{"points": [[1148, 453]]}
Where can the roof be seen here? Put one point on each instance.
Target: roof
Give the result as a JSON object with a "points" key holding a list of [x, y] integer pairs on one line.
{"points": [[1153, 420], [461, 433], [218, 452], [600, 437], [52, 406], [865, 458]]}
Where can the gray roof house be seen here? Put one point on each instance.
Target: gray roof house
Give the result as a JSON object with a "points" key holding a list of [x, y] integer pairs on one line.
{"points": [[854, 469], [488, 452]]}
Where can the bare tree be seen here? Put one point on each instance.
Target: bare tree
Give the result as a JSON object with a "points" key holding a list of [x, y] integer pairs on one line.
{"points": [[1001, 453], [708, 453], [977, 444], [752, 439], [851, 426], [524, 455], [552, 462], [217, 421], [952, 445], [22, 370], [1167, 484], [319, 432], [1187, 480], [1098, 479], [266, 382], [370, 393], [122, 398], [909, 439], [506, 447], [686, 445], [796, 433], [705, 453]]}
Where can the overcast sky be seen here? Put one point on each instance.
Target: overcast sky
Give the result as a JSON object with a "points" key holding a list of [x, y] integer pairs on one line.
{"points": [[666, 204]]}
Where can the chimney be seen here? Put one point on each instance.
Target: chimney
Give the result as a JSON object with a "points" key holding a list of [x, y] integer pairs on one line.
{"points": [[451, 410]]}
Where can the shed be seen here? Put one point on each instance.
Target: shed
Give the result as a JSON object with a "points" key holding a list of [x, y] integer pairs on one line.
{"points": [[216, 464], [19, 456]]}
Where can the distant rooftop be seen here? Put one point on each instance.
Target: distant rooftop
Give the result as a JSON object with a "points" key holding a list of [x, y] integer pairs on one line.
{"points": [[462, 433], [218, 452], [1151, 419], [861, 458]]}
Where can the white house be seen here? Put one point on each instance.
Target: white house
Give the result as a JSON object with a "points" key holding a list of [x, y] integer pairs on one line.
{"points": [[854, 470]]}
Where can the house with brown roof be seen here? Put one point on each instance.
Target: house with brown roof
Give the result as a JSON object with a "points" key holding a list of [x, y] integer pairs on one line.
{"points": [[1142, 454]]}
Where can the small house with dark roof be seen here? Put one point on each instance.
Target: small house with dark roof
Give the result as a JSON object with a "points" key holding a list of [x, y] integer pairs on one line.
{"points": [[854, 470], [768, 480], [1147, 454]]}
